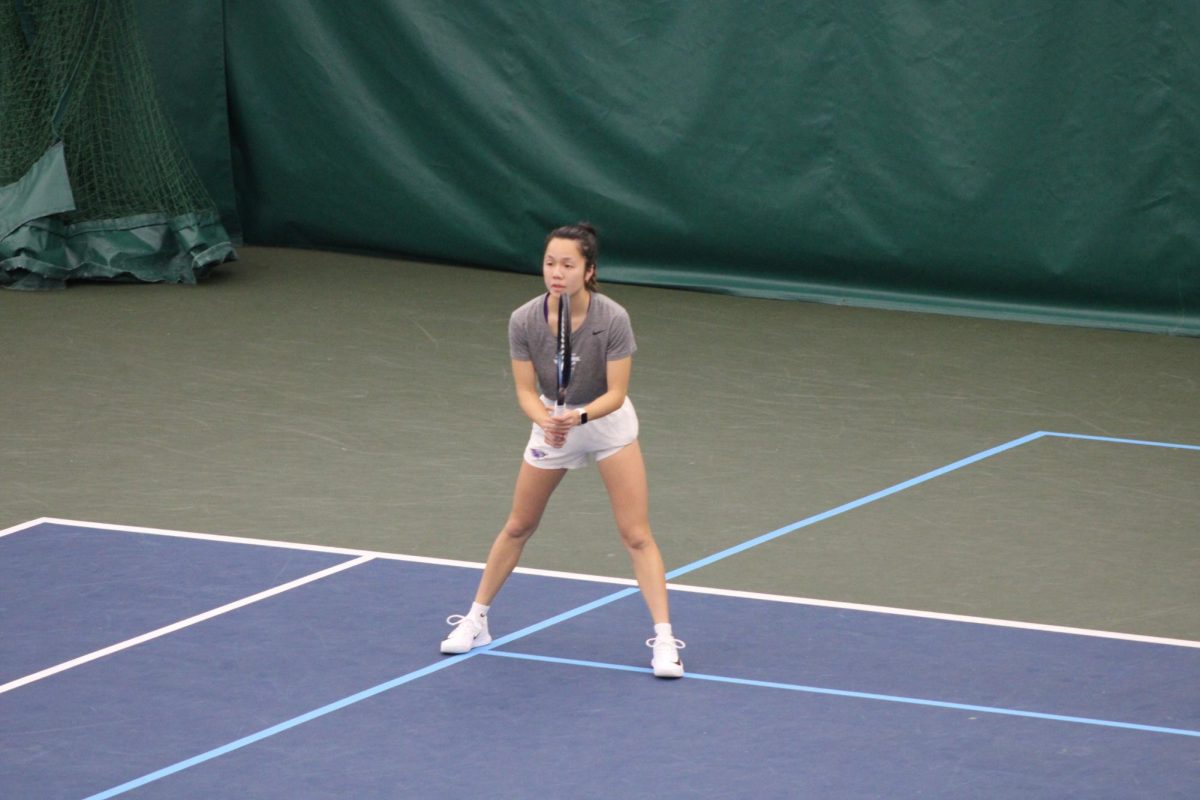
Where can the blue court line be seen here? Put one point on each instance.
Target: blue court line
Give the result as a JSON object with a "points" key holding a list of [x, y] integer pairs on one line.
{"points": [[1121, 441], [583, 609], [309, 716], [842, 509], [1008, 712], [271, 731]]}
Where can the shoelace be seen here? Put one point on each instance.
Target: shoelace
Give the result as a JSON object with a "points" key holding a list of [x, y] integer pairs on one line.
{"points": [[658, 641], [456, 620]]}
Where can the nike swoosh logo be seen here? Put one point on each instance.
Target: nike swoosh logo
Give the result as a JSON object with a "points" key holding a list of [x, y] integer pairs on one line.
{"points": [[597, 333]]}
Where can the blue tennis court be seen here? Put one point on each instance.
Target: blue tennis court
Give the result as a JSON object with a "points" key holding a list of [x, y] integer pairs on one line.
{"points": [[163, 664]]}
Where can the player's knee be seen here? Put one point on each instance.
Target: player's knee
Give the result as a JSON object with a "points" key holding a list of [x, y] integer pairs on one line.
{"points": [[636, 537], [519, 529]]}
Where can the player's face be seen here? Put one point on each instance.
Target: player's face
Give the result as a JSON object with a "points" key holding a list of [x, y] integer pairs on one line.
{"points": [[563, 267]]}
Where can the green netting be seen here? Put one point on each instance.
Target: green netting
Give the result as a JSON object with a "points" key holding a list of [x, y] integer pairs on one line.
{"points": [[75, 71]]}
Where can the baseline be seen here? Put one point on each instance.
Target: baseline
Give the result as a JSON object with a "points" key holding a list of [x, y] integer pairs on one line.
{"points": [[314, 548], [614, 580], [938, 615]]}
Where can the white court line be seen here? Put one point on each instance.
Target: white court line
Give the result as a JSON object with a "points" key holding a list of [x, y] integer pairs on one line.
{"points": [[320, 548], [175, 626], [216, 537], [775, 598], [908, 612], [23, 526]]}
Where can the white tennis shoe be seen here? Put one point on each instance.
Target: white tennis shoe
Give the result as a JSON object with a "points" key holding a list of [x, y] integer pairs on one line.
{"points": [[468, 632], [665, 661]]}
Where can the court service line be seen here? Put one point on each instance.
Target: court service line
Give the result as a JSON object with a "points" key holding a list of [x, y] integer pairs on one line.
{"points": [[917, 701], [450, 661], [181, 624]]}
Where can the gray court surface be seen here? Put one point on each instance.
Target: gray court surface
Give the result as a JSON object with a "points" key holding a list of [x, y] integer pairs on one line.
{"points": [[366, 402]]}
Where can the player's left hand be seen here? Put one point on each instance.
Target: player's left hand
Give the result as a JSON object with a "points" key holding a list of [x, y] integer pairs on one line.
{"points": [[556, 428]]}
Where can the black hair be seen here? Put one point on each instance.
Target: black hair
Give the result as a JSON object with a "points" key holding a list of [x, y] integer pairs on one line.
{"points": [[584, 234]]}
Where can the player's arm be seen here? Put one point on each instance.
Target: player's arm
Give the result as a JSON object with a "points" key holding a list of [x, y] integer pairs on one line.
{"points": [[617, 374], [528, 397]]}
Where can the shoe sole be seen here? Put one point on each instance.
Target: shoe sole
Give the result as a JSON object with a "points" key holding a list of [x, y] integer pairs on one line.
{"points": [[669, 671], [452, 650]]}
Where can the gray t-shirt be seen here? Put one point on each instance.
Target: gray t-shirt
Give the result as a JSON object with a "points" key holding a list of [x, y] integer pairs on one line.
{"points": [[604, 336]]}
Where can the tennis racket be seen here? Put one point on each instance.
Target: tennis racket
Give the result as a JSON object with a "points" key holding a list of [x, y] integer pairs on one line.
{"points": [[563, 355]]}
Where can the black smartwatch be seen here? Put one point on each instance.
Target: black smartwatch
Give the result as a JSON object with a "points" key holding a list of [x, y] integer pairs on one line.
{"points": [[583, 416]]}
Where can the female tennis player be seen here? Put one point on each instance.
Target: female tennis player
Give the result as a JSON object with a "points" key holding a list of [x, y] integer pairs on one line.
{"points": [[599, 424]]}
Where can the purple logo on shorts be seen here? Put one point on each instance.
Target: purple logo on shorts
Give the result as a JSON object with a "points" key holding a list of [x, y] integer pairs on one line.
{"points": [[533, 451]]}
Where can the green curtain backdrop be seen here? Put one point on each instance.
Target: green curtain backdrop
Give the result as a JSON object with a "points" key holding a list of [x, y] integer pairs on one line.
{"points": [[94, 183], [185, 43], [1034, 159]]}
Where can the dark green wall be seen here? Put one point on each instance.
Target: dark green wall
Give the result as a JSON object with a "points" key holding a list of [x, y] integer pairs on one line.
{"points": [[1013, 159]]}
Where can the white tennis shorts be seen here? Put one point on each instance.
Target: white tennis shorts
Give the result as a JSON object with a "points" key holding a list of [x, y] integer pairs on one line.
{"points": [[595, 441]]}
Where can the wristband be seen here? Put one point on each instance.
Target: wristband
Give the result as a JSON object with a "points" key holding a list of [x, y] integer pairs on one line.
{"points": [[583, 416]]}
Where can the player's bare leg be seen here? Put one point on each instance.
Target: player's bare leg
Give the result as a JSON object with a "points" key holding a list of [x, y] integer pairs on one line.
{"points": [[532, 493], [533, 490], [624, 475]]}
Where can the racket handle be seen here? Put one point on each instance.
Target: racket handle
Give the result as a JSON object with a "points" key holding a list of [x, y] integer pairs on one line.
{"points": [[559, 410]]}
